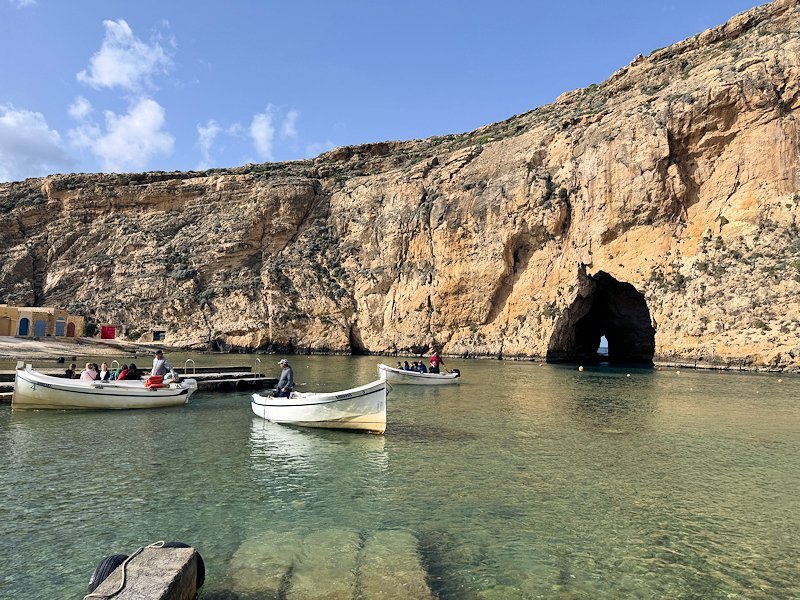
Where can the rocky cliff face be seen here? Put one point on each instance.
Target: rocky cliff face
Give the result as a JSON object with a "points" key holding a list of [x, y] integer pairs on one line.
{"points": [[659, 209]]}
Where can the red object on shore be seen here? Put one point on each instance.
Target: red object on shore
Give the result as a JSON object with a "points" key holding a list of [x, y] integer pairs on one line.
{"points": [[108, 332]]}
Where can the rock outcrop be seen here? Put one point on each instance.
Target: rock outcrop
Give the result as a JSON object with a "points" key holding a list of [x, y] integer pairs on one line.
{"points": [[669, 193]]}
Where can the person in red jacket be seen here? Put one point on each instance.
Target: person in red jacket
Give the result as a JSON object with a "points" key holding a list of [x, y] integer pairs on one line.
{"points": [[436, 362]]}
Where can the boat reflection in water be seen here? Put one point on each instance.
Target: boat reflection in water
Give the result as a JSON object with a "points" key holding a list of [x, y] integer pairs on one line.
{"points": [[280, 449]]}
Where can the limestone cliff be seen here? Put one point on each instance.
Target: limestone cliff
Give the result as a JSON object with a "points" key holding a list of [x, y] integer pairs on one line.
{"points": [[658, 208]]}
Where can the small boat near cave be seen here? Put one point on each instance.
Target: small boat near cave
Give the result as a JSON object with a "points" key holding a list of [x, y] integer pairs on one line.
{"points": [[35, 391], [400, 376], [362, 408]]}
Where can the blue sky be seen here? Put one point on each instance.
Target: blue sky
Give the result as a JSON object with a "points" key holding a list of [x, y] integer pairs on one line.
{"points": [[121, 86]]}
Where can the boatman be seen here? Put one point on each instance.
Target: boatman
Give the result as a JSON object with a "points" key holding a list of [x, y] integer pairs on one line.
{"points": [[286, 381], [436, 362], [161, 366]]}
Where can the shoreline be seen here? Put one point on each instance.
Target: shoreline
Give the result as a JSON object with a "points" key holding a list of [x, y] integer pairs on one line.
{"points": [[67, 349]]}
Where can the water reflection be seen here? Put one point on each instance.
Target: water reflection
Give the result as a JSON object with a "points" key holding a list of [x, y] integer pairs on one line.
{"points": [[522, 481], [290, 459], [612, 401]]}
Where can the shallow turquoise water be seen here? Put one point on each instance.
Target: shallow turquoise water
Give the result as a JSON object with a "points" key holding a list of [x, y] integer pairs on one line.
{"points": [[525, 481]]}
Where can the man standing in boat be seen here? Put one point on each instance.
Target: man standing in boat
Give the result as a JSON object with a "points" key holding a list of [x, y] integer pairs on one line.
{"points": [[161, 366], [436, 362], [286, 381]]}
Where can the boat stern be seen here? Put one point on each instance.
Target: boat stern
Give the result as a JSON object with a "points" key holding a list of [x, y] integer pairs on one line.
{"points": [[187, 384]]}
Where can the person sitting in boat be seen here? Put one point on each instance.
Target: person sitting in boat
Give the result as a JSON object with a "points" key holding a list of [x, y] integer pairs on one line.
{"points": [[115, 373], [286, 381], [70, 373], [421, 368], [88, 374], [122, 372], [104, 374], [161, 366], [406, 366], [399, 365], [436, 362], [97, 371], [131, 374]]}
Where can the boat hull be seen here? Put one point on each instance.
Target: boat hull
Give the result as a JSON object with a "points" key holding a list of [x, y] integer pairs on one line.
{"points": [[34, 391], [359, 409], [401, 377]]}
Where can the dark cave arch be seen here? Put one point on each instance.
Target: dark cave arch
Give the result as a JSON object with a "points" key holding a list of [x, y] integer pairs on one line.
{"points": [[605, 307]]}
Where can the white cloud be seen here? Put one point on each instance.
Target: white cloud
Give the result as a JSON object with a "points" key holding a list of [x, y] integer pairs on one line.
{"points": [[262, 131], [80, 109], [22, 3], [84, 135], [206, 134], [129, 141], [289, 127], [28, 147], [124, 60], [317, 148]]}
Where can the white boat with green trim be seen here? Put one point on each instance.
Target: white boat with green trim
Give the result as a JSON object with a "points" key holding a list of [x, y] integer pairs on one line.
{"points": [[36, 391], [403, 377], [362, 408]]}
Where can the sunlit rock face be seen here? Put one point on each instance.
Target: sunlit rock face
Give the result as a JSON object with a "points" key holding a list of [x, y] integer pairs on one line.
{"points": [[678, 177]]}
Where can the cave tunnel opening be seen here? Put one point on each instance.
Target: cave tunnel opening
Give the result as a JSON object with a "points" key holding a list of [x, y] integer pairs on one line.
{"points": [[613, 310]]}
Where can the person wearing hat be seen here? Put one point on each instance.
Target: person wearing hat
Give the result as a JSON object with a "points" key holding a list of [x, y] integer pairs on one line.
{"points": [[286, 381], [161, 366]]}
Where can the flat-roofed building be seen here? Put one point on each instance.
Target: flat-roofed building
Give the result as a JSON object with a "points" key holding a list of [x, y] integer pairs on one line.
{"points": [[39, 321]]}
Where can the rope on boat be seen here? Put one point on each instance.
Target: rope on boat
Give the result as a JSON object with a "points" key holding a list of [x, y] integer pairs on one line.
{"points": [[124, 565]]}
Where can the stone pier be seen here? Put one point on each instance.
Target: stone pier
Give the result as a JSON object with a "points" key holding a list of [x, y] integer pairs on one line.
{"points": [[155, 574]]}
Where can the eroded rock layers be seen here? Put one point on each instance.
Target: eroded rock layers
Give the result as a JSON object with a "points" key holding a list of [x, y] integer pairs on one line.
{"points": [[659, 207]]}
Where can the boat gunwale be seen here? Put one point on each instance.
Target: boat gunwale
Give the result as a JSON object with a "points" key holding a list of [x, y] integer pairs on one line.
{"points": [[416, 374], [373, 388], [90, 390]]}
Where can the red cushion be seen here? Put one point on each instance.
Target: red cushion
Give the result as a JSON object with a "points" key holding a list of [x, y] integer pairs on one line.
{"points": [[154, 381]]}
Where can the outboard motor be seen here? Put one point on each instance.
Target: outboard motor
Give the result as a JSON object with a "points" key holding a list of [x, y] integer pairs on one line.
{"points": [[456, 371]]}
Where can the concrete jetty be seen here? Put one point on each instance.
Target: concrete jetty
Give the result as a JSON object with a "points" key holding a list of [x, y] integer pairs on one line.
{"points": [[156, 574]]}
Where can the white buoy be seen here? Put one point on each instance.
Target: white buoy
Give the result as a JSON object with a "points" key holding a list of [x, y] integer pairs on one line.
{"points": [[628, 375], [580, 368], [677, 372]]}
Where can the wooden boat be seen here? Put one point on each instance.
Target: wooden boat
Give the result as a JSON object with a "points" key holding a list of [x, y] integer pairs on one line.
{"points": [[400, 376], [361, 409], [33, 390]]}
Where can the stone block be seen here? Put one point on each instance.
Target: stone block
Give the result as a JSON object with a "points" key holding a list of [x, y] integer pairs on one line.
{"points": [[155, 574], [391, 568]]}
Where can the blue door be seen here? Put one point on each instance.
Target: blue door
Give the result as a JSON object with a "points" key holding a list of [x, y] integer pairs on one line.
{"points": [[39, 328], [61, 326], [24, 324]]}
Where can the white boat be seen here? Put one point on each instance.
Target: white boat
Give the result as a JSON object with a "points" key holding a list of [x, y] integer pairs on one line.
{"points": [[362, 408], [401, 376], [33, 390]]}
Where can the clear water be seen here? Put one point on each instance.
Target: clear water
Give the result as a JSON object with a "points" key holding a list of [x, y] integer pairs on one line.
{"points": [[525, 481]]}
